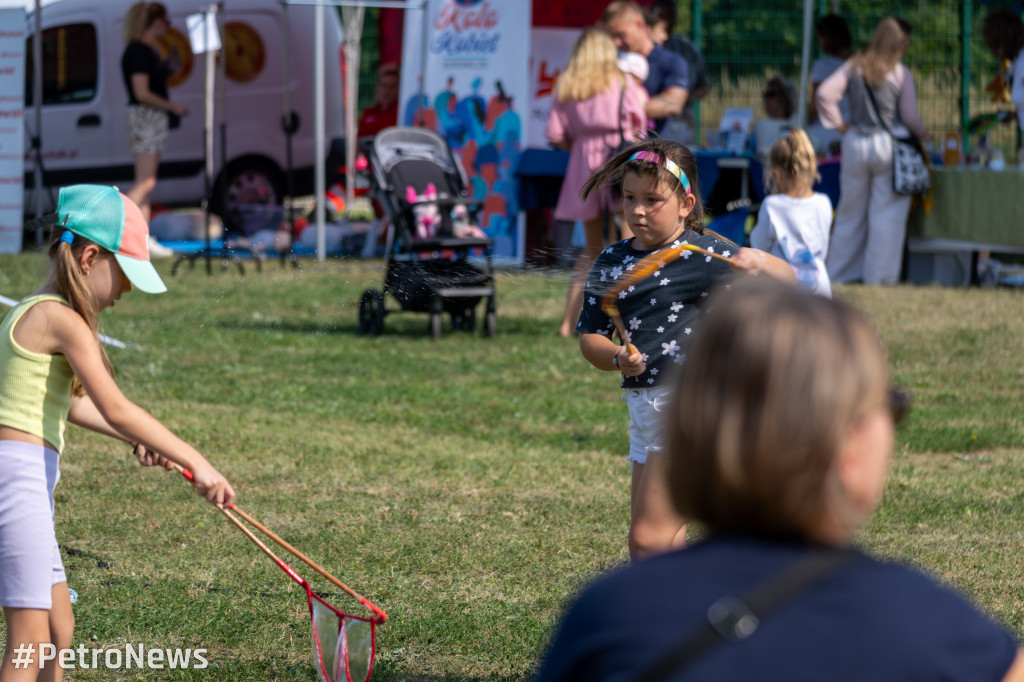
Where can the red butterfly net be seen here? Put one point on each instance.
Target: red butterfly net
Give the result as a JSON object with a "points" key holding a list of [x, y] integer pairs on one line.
{"points": [[344, 644]]}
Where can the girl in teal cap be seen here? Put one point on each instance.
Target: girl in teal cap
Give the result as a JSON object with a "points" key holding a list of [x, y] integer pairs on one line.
{"points": [[53, 370]]}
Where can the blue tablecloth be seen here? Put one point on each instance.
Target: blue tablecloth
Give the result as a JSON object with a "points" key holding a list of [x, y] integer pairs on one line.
{"points": [[540, 173]]}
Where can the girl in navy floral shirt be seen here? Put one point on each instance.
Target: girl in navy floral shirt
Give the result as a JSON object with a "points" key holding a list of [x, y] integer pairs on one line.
{"points": [[661, 206]]}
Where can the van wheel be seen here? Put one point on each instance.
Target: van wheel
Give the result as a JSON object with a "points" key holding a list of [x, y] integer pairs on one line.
{"points": [[245, 193]]}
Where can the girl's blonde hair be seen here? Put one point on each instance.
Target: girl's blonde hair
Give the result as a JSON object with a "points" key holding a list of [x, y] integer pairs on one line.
{"points": [[71, 285], [592, 68], [140, 17], [794, 156], [883, 53], [775, 382], [619, 164]]}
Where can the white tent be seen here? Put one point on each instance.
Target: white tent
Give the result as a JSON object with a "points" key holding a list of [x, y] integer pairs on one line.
{"points": [[352, 15]]}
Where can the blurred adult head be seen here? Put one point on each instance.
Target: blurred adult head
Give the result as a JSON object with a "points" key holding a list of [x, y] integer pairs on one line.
{"points": [[387, 85], [887, 47], [781, 424], [661, 20], [593, 66], [834, 36], [1003, 33], [779, 98], [143, 18], [625, 23]]}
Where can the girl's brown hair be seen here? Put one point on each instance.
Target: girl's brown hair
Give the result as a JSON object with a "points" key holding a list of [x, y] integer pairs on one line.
{"points": [[140, 17], [1003, 33], [776, 380], [883, 53], [71, 285], [794, 156], [593, 67], [619, 164]]}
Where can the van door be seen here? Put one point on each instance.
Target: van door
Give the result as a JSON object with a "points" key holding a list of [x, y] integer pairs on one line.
{"points": [[77, 130]]}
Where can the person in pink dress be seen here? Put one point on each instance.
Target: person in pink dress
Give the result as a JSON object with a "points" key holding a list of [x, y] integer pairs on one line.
{"points": [[593, 101]]}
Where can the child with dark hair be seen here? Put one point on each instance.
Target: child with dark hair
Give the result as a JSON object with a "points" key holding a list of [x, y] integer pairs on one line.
{"points": [[661, 206]]}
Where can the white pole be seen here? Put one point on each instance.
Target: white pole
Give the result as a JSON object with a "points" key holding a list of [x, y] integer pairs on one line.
{"points": [[320, 132], [805, 63], [37, 101]]}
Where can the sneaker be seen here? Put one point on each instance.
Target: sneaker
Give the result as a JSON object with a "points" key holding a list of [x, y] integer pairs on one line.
{"points": [[158, 250]]}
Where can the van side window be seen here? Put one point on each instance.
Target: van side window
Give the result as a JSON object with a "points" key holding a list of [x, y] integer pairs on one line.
{"points": [[70, 60]]}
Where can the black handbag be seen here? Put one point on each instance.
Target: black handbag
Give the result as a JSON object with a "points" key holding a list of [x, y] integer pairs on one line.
{"points": [[909, 165]]}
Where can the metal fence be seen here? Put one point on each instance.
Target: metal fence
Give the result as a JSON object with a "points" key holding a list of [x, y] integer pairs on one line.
{"points": [[746, 42]]}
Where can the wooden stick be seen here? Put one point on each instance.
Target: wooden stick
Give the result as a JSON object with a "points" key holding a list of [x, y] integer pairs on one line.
{"points": [[691, 247], [273, 536]]}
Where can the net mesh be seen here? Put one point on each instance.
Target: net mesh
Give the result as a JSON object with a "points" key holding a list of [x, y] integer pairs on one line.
{"points": [[95, 212]]}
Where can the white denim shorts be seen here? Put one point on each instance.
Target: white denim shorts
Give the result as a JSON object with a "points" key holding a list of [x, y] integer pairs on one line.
{"points": [[647, 408], [30, 563], [147, 129]]}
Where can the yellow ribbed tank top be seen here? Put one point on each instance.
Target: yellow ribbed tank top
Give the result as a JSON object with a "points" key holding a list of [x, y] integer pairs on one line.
{"points": [[35, 388]]}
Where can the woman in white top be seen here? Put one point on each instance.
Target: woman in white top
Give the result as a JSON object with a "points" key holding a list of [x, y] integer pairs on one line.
{"points": [[871, 220]]}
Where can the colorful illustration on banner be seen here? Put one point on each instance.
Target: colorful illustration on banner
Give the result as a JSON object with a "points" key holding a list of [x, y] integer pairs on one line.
{"points": [[472, 91], [245, 52]]}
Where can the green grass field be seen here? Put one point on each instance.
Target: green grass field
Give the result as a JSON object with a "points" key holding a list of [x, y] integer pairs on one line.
{"points": [[467, 486]]}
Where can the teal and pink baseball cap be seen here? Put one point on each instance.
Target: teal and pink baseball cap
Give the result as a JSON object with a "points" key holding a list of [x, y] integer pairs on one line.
{"points": [[103, 215]]}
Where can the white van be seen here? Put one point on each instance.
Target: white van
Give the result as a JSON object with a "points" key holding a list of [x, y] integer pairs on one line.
{"points": [[85, 102]]}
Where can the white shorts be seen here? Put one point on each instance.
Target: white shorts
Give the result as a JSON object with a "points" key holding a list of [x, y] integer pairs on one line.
{"points": [[147, 129], [30, 563], [647, 408]]}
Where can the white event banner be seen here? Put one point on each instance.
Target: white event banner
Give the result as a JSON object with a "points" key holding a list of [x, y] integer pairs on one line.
{"points": [[12, 128], [550, 52], [474, 67]]}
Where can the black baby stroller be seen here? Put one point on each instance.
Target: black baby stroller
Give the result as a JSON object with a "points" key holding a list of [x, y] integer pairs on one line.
{"points": [[423, 191]]}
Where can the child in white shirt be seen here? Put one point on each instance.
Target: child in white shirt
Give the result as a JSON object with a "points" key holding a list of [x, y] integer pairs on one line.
{"points": [[794, 221]]}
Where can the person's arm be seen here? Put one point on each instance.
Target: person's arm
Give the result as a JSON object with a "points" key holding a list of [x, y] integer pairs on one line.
{"points": [[142, 93], [828, 96], [812, 103], [698, 93], [556, 129], [668, 102], [760, 236], [909, 114], [79, 344], [85, 414], [603, 353], [755, 261]]}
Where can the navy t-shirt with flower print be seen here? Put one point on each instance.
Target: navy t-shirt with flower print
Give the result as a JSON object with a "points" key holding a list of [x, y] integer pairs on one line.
{"points": [[661, 312]]}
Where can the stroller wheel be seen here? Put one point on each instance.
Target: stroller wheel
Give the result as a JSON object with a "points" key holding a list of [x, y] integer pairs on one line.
{"points": [[371, 313], [435, 326], [490, 324], [469, 319]]}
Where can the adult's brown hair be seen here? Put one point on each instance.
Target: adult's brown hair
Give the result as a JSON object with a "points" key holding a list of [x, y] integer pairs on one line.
{"points": [[775, 382]]}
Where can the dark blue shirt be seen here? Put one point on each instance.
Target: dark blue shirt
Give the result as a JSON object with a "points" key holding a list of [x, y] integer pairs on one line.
{"points": [[665, 70], [868, 620], [660, 312]]}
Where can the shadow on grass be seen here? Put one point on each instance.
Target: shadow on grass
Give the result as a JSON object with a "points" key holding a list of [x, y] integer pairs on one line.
{"points": [[409, 326]]}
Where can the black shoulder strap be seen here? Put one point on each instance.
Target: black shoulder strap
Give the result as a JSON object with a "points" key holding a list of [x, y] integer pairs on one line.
{"points": [[731, 619], [874, 103]]}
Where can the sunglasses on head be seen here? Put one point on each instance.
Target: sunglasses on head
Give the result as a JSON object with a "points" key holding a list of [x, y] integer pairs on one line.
{"points": [[899, 404]]}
